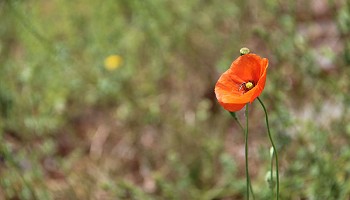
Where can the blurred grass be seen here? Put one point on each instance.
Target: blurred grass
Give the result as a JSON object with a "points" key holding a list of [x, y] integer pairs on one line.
{"points": [[151, 129]]}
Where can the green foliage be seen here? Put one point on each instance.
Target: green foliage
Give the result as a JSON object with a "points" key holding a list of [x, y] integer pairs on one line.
{"points": [[151, 129]]}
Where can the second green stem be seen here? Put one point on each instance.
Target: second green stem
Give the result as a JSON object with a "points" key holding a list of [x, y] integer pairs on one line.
{"points": [[246, 150], [274, 149]]}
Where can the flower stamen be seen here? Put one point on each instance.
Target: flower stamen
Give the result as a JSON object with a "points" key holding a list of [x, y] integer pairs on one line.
{"points": [[249, 85]]}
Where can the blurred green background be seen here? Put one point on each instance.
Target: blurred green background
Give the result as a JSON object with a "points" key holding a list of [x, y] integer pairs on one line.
{"points": [[151, 128]]}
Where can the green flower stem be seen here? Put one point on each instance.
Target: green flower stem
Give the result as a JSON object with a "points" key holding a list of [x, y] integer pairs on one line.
{"points": [[274, 149], [233, 114], [271, 175], [246, 150]]}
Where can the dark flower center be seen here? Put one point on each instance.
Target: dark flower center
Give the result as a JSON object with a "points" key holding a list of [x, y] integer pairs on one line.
{"points": [[245, 87]]}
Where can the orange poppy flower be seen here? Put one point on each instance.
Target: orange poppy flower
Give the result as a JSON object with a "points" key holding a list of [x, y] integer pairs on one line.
{"points": [[242, 83]]}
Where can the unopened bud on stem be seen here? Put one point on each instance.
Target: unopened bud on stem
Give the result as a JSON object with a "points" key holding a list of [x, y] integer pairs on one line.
{"points": [[244, 51], [271, 152]]}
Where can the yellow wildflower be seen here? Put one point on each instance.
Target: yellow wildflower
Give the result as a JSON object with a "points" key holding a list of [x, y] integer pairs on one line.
{"points": [[113, 62]]}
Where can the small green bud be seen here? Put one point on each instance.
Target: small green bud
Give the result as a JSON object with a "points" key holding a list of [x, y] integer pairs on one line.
{"points": [[271, 152], [244, 51]]}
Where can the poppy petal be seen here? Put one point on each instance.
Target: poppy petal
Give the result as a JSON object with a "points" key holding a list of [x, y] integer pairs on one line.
{"points": [[232, 107]]}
